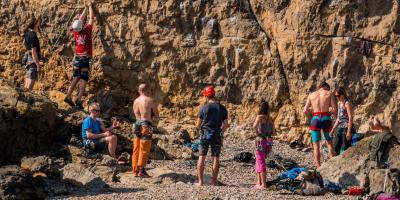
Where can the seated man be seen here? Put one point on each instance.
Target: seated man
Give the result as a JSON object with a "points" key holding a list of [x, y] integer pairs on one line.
{"points": [[95, 136]]}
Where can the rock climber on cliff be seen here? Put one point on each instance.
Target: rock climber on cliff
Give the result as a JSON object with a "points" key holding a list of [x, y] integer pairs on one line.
{"points": [[212, 122], [323, 104], [146, 113], [83, 56]]}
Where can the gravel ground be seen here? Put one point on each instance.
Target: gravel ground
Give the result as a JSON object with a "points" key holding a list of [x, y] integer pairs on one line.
{"points": [[238, 178]]}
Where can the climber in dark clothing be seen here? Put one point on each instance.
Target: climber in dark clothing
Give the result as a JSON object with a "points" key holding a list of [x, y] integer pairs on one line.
{"points": [[32, 55], [212, 122]]}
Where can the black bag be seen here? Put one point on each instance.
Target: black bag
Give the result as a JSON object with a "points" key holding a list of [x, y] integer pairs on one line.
{"points": [[244, 157]]}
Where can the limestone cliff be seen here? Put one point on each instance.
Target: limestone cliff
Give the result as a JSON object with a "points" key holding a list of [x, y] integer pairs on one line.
{"points": [[249, 49]]}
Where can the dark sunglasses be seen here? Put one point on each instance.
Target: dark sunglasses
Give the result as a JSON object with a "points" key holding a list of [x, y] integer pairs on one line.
{"points": [[95, 110]]}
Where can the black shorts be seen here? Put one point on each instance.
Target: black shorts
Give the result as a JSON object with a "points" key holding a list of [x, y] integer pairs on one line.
{"points": [[97, 144], [215, 142], [31, 71], [82, 63]]}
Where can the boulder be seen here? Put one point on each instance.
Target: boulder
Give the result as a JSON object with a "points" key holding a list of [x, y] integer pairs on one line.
{"points": [[80, 176], [45, 164], [55, 187], [355, 165], [106, 173], [16, 184], [165, 147], [164, 175], [377, 178], [29, 124]]}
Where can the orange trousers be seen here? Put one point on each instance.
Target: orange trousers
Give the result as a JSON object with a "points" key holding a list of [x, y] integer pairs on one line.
{"points": [[141, 151]]}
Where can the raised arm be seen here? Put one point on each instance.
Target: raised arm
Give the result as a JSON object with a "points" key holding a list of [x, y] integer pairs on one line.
{"points": [[90, 12], [82, 16]]}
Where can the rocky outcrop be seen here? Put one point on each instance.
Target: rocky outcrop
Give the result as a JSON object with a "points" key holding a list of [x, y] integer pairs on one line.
{"points": [[357, 166], [16, 184], [29, 124], [80, 176], [248, 49]]}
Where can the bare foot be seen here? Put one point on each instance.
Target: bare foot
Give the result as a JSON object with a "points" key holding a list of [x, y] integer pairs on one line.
{"points": [[261, 187], [256, 186], [199, 184]]}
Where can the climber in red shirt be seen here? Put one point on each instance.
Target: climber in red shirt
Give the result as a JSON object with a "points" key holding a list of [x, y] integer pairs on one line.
{"points": [[83, 56]]}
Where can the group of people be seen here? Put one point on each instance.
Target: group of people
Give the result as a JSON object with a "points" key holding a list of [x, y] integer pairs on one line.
{"points": [[82, 60], [212, 119]]}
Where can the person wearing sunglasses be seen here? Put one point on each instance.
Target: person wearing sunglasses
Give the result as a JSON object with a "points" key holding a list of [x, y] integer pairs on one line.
{"points": [[94, 134], [343, 123]]}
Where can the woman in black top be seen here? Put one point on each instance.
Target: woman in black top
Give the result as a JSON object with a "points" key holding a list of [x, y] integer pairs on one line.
{"points": [[32, 46]]}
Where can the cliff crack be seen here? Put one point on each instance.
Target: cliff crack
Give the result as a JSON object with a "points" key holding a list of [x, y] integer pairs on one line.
{"points": [[353, 37], [279, 60]]}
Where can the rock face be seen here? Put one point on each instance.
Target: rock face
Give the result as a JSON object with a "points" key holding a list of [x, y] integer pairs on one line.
{"points": [[29, 124], [16, 184], [356, 167], [249, 49]]}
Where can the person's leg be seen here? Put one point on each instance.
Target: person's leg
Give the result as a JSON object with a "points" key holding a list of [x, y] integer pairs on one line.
{"points": [[82, 87], [135, 155], [215, 171], [317, 161], [258, 180], [316, 137], [263, 180], [203, 150], [83, 82], [111, 144], [337, 144], [329, 143], [71, 88], [200, 170], [31, 83], [145, 146]]}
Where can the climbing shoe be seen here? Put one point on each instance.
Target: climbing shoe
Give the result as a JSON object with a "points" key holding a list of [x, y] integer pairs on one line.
{"points": [[78, 104], [69, 101], [143, 174]]}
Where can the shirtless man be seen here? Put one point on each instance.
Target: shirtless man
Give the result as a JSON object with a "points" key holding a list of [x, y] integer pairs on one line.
{"points": [[323, 104], [146, 112]]}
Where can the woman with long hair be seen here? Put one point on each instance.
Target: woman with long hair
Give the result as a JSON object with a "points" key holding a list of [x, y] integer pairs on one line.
{"points": [[264, 128], [344, 122], [32, 45]]}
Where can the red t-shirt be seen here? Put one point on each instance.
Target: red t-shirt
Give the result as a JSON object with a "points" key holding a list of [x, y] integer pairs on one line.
{"points": [[83, 41]]}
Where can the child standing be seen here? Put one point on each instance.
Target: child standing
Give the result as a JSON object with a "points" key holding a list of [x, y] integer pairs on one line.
{"points": [[264, 128]]}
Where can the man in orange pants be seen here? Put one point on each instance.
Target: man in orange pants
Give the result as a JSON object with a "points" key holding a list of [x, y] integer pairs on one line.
{"points": [[145, 110]]}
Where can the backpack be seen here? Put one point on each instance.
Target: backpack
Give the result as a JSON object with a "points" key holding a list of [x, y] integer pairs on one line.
{"points": [[244, 157]]}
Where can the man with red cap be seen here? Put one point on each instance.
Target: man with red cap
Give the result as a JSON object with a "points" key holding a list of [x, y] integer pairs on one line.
{"points": [[212, 122]]}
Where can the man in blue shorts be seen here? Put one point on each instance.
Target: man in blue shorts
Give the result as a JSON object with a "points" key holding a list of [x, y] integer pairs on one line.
{"points": [[212, 122], [323, 104]]}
